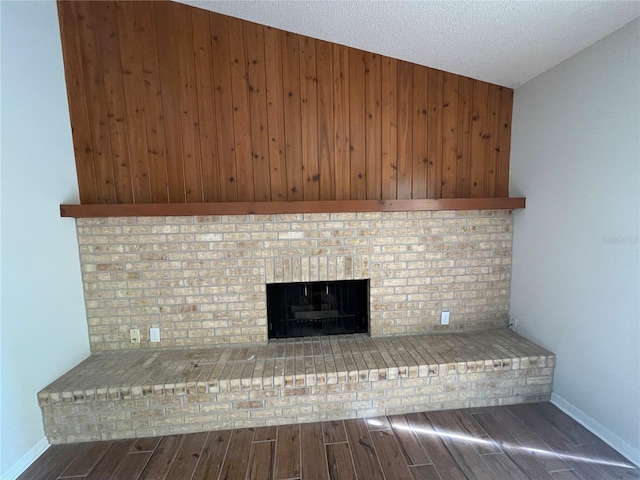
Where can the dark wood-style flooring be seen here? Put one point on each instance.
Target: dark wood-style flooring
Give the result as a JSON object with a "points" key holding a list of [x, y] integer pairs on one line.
{"points": [[532, 441]]}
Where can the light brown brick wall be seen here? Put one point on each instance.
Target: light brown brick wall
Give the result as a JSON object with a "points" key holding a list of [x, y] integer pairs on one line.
{"points": [[202, 279]]}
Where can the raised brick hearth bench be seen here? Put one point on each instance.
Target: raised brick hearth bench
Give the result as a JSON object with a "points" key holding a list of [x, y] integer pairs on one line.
{"points": [[160, 392]]}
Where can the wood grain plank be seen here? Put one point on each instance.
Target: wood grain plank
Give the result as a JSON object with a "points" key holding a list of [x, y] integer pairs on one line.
{"points": [[502, 173], [85, 459], [152, 100], [309, 118], [363, 452], [168, 60], [223, 107], [340, 462], [208, 141], [236, 462], [110, 461], [341, 122], [96, 103], [405, 130], [435, 128], [51, 463], [521, 457], [424, 472], [334, 431], [493, 140], [479, 126], [421, 133], [504, 467], [162, 458], [213, 455], [77, 101], [265, 434], [134, 101], [275, 114], [449, 134], [463, 167], [389, 134], [187, 456], [328, 206], [254, 42], [132, 466], [292, 115], [390, 456], [373, 125], [188, 100], [287, 463], [357, 125], [241, 114], [262, 461], [114, 94], [326, 149], [145, 444], [313, 456], [408, 439]]}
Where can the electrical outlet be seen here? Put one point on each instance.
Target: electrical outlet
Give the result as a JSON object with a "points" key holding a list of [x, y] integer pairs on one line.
{"points": [[154, 334], [444, 318], [134, 334], [513, 324]]}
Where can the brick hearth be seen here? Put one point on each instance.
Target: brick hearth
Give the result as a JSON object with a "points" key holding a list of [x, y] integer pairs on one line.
{"points": [[160, 392]]}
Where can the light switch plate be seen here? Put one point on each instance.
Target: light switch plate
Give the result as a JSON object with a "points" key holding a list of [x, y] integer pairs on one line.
{"points": [[154, 334], [134, 334]]}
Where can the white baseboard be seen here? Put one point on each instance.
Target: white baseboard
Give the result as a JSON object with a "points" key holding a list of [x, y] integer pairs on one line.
{"points": [[622, 446], [26, 460]]}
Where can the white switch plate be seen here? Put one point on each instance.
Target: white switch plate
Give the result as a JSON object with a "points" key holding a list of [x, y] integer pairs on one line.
{"points": [[444, 318], [154, 334], [134, 334]]}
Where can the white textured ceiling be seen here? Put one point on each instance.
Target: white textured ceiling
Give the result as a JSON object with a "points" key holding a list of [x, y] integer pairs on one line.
{"points": [[502, 42]]}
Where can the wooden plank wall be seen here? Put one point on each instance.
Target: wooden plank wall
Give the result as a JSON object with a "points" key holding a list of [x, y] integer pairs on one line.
{"points": [[173, 104]]}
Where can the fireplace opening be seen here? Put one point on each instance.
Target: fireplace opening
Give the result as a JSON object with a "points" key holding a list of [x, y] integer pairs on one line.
{"points": [[305, 309]]}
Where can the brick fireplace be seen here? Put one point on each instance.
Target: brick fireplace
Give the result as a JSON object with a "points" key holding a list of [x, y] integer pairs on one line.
{"points": [[202, 280]]}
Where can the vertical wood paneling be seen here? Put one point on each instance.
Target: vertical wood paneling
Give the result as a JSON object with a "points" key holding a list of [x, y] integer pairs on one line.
{"points": [[131, 62], [506, 107], [449, 134], [241, 114], [152, 98], [224, 108], [434, 140], [341, 121], [206, 107], [326, 150], [405, 126], [82, 144], [292, 120], [373, 125], [258, 107], [420, 133], [96, 103], [168, 51], [275, 114], [170, 103], [309, 115], [114, 96], [463, 173], [389, 134], [357, 124]]}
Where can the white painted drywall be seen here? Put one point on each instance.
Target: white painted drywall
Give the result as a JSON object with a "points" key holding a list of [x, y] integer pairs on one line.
{"points": [[44, 329], [576, 254]]}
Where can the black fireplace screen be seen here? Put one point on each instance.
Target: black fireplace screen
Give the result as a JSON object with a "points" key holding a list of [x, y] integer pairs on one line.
{"points": [[305, 309]]}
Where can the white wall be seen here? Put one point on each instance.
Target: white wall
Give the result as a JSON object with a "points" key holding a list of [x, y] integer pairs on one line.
{"points": [[44, 330], [575, 280]]}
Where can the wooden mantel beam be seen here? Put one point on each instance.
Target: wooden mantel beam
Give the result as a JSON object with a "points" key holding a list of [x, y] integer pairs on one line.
{"points": [[269, 208]]}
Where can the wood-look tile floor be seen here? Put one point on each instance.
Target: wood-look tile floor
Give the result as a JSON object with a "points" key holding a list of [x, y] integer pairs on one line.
{"points": [[531, 441]]}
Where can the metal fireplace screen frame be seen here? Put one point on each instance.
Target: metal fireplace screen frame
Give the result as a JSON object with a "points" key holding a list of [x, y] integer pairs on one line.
{"points": [[304, 309]]}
